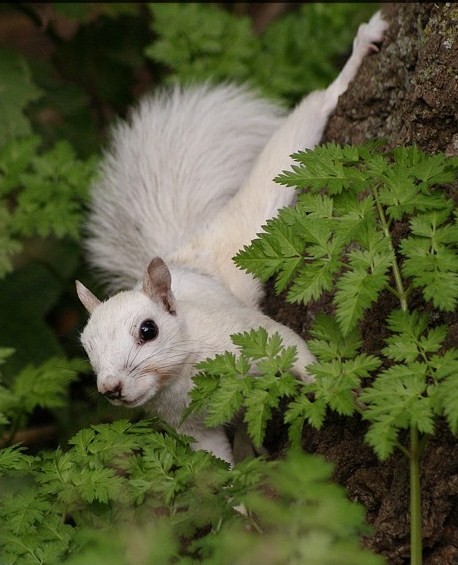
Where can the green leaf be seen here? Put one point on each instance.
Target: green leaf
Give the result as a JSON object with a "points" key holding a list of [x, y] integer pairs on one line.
{"points": [[102, 485], [205, 385], [396, 400], [329, 342], [430, 169], [432, 258], [9, 245], [357, 221], [320, 168], [336, 380], [201, 41], [226, 401], [259, 405], [435, 274], [444, 390], [23, 510], [313, 279], [304, 47], [447, 398], [5, 352], [302, 409], [44, 194], [18, 91], [409, 343], [277, 250], [53, 193], [357, 290], [226, 384], [44, 386], [12, 459], [314, 515], [315, 206], [15, 158]]}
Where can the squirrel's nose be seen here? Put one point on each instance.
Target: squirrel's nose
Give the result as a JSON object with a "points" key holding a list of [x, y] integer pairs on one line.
{"points": [[113, 393]]}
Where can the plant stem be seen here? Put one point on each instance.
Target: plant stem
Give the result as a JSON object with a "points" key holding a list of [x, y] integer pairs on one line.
{"points": [[401, 292], [416, 551], [415, 499]]}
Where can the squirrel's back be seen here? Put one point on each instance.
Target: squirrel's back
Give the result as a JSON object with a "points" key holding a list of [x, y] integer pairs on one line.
{"points": [[182, 155]]}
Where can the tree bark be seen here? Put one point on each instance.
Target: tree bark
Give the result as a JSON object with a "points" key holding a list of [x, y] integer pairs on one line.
{"points": [[408, 94]]}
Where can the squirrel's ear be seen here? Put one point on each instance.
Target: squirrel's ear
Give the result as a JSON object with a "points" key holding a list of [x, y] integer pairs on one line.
{"points": [[157, 284], [88, 300]]}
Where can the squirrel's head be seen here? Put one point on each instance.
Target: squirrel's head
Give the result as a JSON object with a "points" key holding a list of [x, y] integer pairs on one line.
{"points": [[134, 340]]}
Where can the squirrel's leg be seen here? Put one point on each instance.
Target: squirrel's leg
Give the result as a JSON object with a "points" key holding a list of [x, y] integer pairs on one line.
{"points": [[213, 440], [260, 198]]}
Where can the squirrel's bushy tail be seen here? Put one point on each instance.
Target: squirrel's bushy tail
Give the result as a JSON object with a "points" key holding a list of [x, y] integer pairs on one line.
{"points": [[168, 171]]}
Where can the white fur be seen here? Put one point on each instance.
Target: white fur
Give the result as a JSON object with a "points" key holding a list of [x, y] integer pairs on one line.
{"points": [[183, 154], [190, 179]]}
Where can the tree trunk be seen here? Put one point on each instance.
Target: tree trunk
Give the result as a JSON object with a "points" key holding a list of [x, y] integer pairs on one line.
{"points": [[407, 94]]}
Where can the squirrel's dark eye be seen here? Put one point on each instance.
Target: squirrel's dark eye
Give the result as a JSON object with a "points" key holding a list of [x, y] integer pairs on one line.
{"points": [[148, 330]]}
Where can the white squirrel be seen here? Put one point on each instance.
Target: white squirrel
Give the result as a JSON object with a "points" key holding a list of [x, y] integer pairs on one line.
{"points": [[188, 181]]}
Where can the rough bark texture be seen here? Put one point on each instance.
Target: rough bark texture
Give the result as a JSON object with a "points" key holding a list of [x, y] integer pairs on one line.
{"points": [[406, 94]]}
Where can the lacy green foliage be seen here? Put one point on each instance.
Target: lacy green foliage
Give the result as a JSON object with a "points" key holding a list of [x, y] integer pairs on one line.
{"points": [[338, 371], [126, 493], [339, 236], [224, 386], [420, 384], [201, 42], [44, 386], [41, 193], [354, 195], [309, 521]]}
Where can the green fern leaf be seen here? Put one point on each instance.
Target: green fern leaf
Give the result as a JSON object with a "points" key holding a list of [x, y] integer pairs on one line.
{"points": [[312, 280], [226, 401], [52, 195], [336, 380], [447, 397], [330, 343], [47, 385], [23, 509], [430, 169], [357, 219], [357, 289], [259, 405], [320, 168], [408, 343], [435, 273], [12, 459], [202, 42], [396, 400], [302, 410], [314, 206], [278, 250]]}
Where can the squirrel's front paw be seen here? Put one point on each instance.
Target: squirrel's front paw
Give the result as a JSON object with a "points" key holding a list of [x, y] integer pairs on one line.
{"points": [[371, 33], [304, 358]]}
